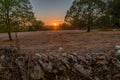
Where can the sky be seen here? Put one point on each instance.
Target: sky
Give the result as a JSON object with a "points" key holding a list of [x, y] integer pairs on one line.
{"points": [[51, 11]]}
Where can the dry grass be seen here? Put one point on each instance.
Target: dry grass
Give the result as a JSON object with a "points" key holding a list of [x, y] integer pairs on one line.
{"points": [[75, 41]]}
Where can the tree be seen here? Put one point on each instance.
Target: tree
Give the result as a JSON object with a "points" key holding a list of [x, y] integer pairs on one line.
{"points": [[15, 13], [85, 11], [111, 15], [113, 10], [65, 26], [37, 25]]}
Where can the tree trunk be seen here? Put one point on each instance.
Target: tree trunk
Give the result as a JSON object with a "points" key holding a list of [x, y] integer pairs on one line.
{"points": [[10, 37], [7, 20], [17, 42], [89, 25], [88, 29]]}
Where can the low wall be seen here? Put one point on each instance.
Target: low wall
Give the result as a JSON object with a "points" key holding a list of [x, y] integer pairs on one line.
{"points": [[66, 66]]}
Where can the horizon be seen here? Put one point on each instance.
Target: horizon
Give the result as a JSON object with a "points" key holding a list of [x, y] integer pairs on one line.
{"points": [[51, 12]]}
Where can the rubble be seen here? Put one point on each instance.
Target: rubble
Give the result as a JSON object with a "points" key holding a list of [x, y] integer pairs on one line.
{"points": [[64, 66]]}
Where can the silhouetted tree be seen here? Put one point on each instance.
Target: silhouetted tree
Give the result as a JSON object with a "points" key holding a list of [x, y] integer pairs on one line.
{"points": [[37, 25], [85, 11], [65, 26], [114, 12]]}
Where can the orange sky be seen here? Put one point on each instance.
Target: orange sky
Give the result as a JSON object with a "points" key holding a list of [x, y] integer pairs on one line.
{"points": [[51, 20], [51, 11]]}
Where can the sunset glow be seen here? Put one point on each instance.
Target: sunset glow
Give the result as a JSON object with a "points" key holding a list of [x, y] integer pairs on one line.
{"points": [[53, 12], [55, 24]]}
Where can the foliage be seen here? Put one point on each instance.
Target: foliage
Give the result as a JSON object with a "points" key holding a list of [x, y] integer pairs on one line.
{"points": [[114, 12], [111, 15], [65, 26], [94, 13], [37, 25], [84, 11], [15, 13]]}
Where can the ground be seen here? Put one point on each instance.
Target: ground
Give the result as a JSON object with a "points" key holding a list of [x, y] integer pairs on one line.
{"points": [[49, 42]]}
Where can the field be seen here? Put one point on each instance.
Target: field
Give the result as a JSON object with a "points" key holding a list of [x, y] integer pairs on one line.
{"points": [[49, 42]]}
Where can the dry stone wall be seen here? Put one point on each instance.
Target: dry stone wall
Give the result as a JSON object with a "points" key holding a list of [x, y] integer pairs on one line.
{"points": [[65, 66]]}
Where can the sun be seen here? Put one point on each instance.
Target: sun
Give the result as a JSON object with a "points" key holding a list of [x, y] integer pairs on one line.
{"points": [[55, 24]]}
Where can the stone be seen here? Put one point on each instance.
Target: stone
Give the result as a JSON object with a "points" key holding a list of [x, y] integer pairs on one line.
{"points": [[118, 52], [117, 47], [61, 49], [38, 56], [73, 57], [37, 73], [64, 54], [2, 57], [47, 67], [116, 77], [80, 68], [66, 63], [1, 67], [101, 60], [20, 61], [116, 63]]}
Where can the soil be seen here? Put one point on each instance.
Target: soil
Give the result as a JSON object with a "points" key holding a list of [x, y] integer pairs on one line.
{"points": [[49, 42]]}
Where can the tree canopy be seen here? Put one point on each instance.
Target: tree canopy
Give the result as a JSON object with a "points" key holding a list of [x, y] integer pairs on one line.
{"points": [[15, 13], [90, 13], [114, 12]]}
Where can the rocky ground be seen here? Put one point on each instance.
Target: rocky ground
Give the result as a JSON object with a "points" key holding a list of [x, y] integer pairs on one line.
{"points": [[50, 42]]}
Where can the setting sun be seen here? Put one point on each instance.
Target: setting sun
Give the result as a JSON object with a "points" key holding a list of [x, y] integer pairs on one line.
{"points": [[55, 24]]}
